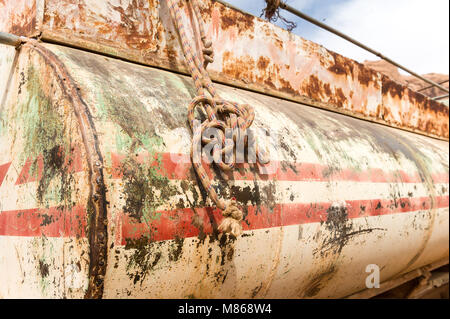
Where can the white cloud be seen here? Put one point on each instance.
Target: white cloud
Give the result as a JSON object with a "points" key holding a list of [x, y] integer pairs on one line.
{"points": [[414, 33], [301, 4]]}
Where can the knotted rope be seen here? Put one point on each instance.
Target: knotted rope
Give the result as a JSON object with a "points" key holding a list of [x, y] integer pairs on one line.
{"points": [[272, 14], [221, 115]]}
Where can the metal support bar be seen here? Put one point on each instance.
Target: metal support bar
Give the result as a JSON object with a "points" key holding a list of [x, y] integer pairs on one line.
{"points": [[440, 97], [342, 35], [430, 86], [428, 284], [10, 39]]}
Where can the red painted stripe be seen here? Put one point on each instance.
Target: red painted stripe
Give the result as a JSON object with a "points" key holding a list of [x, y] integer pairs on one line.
{"points": [[187, 222], [73, 163], [178, 167], [26, 176], [3, 170], [51, 222]]}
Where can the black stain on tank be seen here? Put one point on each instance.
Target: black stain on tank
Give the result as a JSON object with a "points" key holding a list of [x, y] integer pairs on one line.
{"points": [[46, 220], [341, 230], [319, 281], [43, 269], [176, 249]]}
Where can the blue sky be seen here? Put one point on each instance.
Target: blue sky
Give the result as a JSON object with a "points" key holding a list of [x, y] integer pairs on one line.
{"points": [[319, 9], [414, 33]]}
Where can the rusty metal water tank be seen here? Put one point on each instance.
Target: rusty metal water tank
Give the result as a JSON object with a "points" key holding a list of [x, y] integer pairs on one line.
{"points": [[98, 197]]}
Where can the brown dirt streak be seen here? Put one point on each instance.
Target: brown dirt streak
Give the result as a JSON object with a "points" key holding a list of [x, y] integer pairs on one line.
{"points": [[97, 196]]}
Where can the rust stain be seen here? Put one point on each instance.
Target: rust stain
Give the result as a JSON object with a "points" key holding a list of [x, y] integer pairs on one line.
{"points": [[240, 68], [138, 27], [286, 87], [393, 88], [171, 54], [367, 76], [318, 90], [263, 62], [129, 27], [339, 99], [230, 18], [341, 65], [18, 17], [357, 71], [401, 106], [313, 88]]}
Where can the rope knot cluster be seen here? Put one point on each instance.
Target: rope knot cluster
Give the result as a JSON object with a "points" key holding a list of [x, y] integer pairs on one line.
{"points": [[231, 224], [224, 116]]}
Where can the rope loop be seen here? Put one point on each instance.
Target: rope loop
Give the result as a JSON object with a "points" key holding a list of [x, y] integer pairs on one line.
{"points": [[229, 120]]}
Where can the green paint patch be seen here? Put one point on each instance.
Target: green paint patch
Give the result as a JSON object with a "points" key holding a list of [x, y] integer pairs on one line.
{"points": [[146, 189], [45, 136]]}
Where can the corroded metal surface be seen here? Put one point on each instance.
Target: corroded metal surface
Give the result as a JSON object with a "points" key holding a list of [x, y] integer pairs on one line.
{"points": [[414, 110], [249, 53], [19, 17], [97, 201], [340, 193], [310, 225], [44, 184]]}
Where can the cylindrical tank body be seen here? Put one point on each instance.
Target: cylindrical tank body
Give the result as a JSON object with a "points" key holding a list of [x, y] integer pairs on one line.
{"points": [[339, 194]]}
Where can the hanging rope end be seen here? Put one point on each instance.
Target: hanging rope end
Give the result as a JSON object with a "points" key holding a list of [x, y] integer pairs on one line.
{"points": [[231, 224]]}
